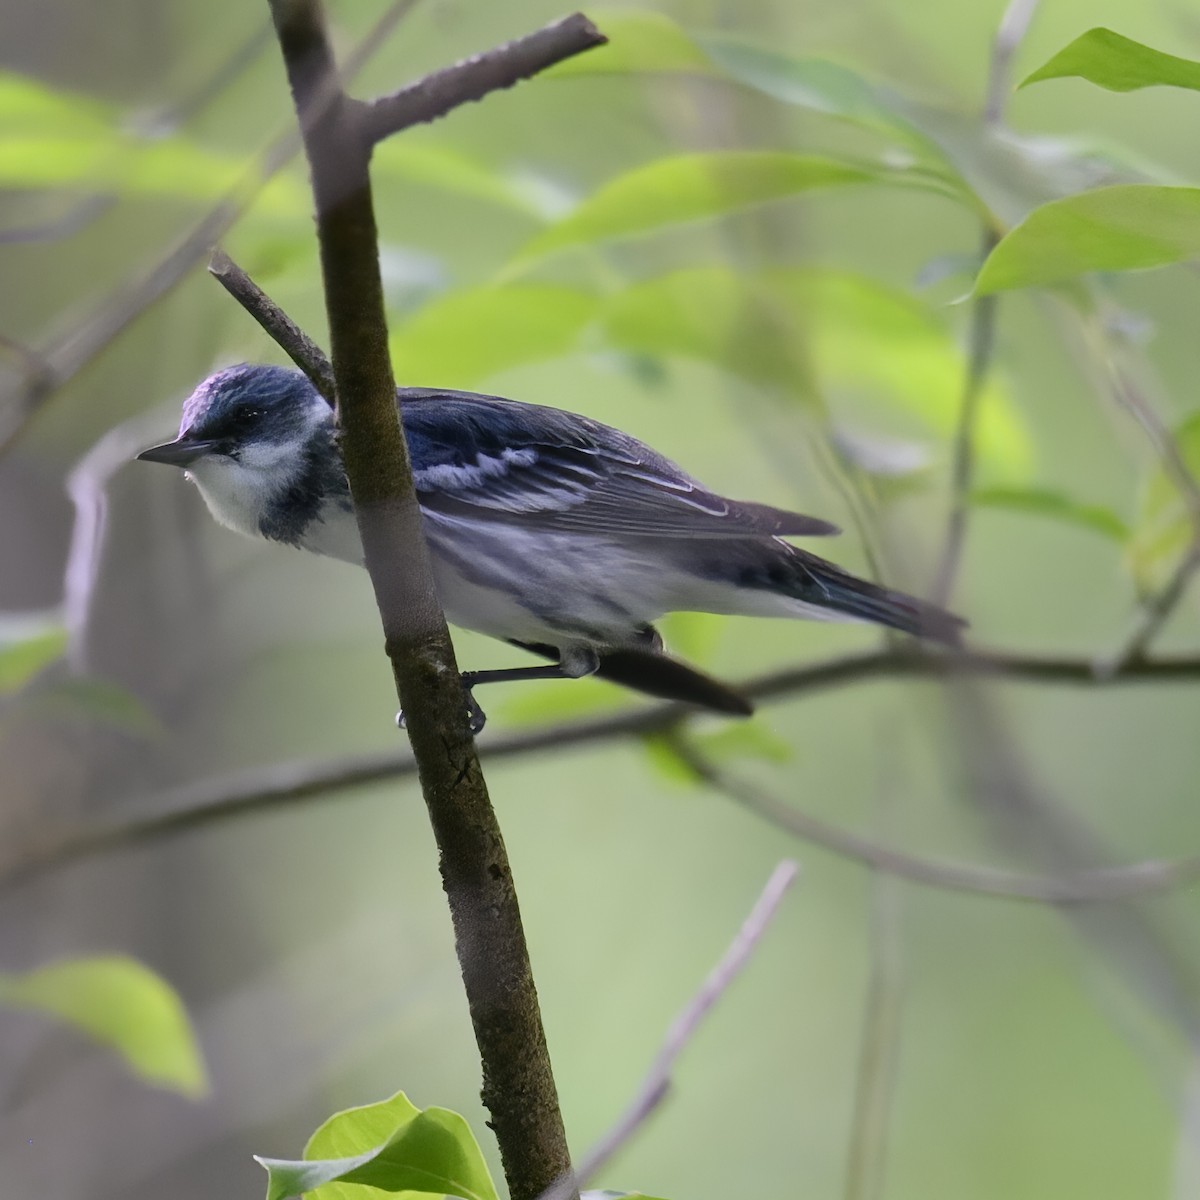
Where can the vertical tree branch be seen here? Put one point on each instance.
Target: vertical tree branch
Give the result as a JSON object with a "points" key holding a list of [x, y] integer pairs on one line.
{"points": [[518, 1086], [1014, 24], [981, 343]]}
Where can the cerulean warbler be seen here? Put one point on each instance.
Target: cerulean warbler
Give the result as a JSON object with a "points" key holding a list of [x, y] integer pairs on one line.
{"points": [[546, 529]]}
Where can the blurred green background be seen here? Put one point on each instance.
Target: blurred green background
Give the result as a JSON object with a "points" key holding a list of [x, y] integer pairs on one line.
{"points": [[1038, 1052]]}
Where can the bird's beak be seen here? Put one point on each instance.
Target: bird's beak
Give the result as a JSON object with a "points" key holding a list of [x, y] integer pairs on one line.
{"points": [[182, 452]]}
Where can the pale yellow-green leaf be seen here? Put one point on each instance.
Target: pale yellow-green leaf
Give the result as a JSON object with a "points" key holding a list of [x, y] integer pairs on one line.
{"points": [[464, 337], [123, 1005], [639, 42], [683, 188], [1165, 527]]}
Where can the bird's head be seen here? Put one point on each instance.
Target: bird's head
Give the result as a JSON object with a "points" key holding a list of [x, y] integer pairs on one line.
{"points": [[252, 438]]}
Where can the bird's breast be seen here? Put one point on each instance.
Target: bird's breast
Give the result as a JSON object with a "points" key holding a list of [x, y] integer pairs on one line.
{"points": [[334, 532]]}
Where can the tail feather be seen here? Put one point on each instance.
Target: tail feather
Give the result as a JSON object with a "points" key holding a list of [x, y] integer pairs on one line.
{"points": [[828, 586], [648, 670], [657, 674]]}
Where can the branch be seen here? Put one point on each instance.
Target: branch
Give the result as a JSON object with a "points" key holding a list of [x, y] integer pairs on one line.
{"points": [[194, 806], [657, 1082], [981, 337], [475, 77], [1158, 608], [1014, 25], [1156, 611], [982, 342], [295, 343], [518, 1084], [1091, 885]]}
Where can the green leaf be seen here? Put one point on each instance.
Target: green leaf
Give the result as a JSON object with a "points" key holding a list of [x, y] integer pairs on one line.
{"points": [[449, 170], [1124, 228], [811, 331], [559, 701], [992, 171], [1118, 63], [1164, 527], [97, 700], [1010, 174], [664, 760], [113, 161], [692, 187], [464, 337], [639, 42], [812, 83], [1055, 505], [32, 108], [21, 660], [56, 139], [386, 1148], [716, 315], [746, 739], [121, 1004]]}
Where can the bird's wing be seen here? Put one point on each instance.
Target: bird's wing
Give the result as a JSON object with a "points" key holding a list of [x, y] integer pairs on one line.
{"points": [[484, 458]]}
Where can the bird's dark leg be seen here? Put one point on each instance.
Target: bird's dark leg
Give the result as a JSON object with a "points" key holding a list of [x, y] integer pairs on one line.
{"points": [[573, 663]]}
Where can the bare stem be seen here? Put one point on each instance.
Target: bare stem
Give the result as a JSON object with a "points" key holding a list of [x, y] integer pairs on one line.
{"points": [[1010, 33], [298, 346], [1014, 24], [657, 1082], [981, 342], [1089, 885], [475, 77], [1157, 609]]}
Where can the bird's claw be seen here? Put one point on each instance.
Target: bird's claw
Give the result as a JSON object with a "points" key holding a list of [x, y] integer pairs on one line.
{"points": [[476, 717]]}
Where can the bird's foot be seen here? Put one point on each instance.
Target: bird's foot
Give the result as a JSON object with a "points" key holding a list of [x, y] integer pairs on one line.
{"points": [[476, 717]]}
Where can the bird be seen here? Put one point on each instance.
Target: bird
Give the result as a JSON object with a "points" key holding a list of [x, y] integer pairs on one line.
{"points": [[546, 529]]}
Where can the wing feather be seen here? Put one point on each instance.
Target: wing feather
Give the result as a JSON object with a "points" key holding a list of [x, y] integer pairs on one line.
{"points": [[483, 458]]}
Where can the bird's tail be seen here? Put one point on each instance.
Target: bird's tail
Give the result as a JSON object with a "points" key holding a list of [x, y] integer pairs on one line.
{"points": [[821, 584]]}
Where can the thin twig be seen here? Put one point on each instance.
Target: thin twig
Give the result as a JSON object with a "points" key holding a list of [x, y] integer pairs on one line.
{"points": [[1156, 609], [657, 1082], [168, 119], [475, 77], [880, 1046], [1091, 885], [981, 340], [281, 785], [1010, 33], [32, 363], [68, 353], [296, 344], [87, 486]]}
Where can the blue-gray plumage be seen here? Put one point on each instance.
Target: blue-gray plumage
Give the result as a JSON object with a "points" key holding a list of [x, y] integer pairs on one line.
{"points": [[546, 529]]}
